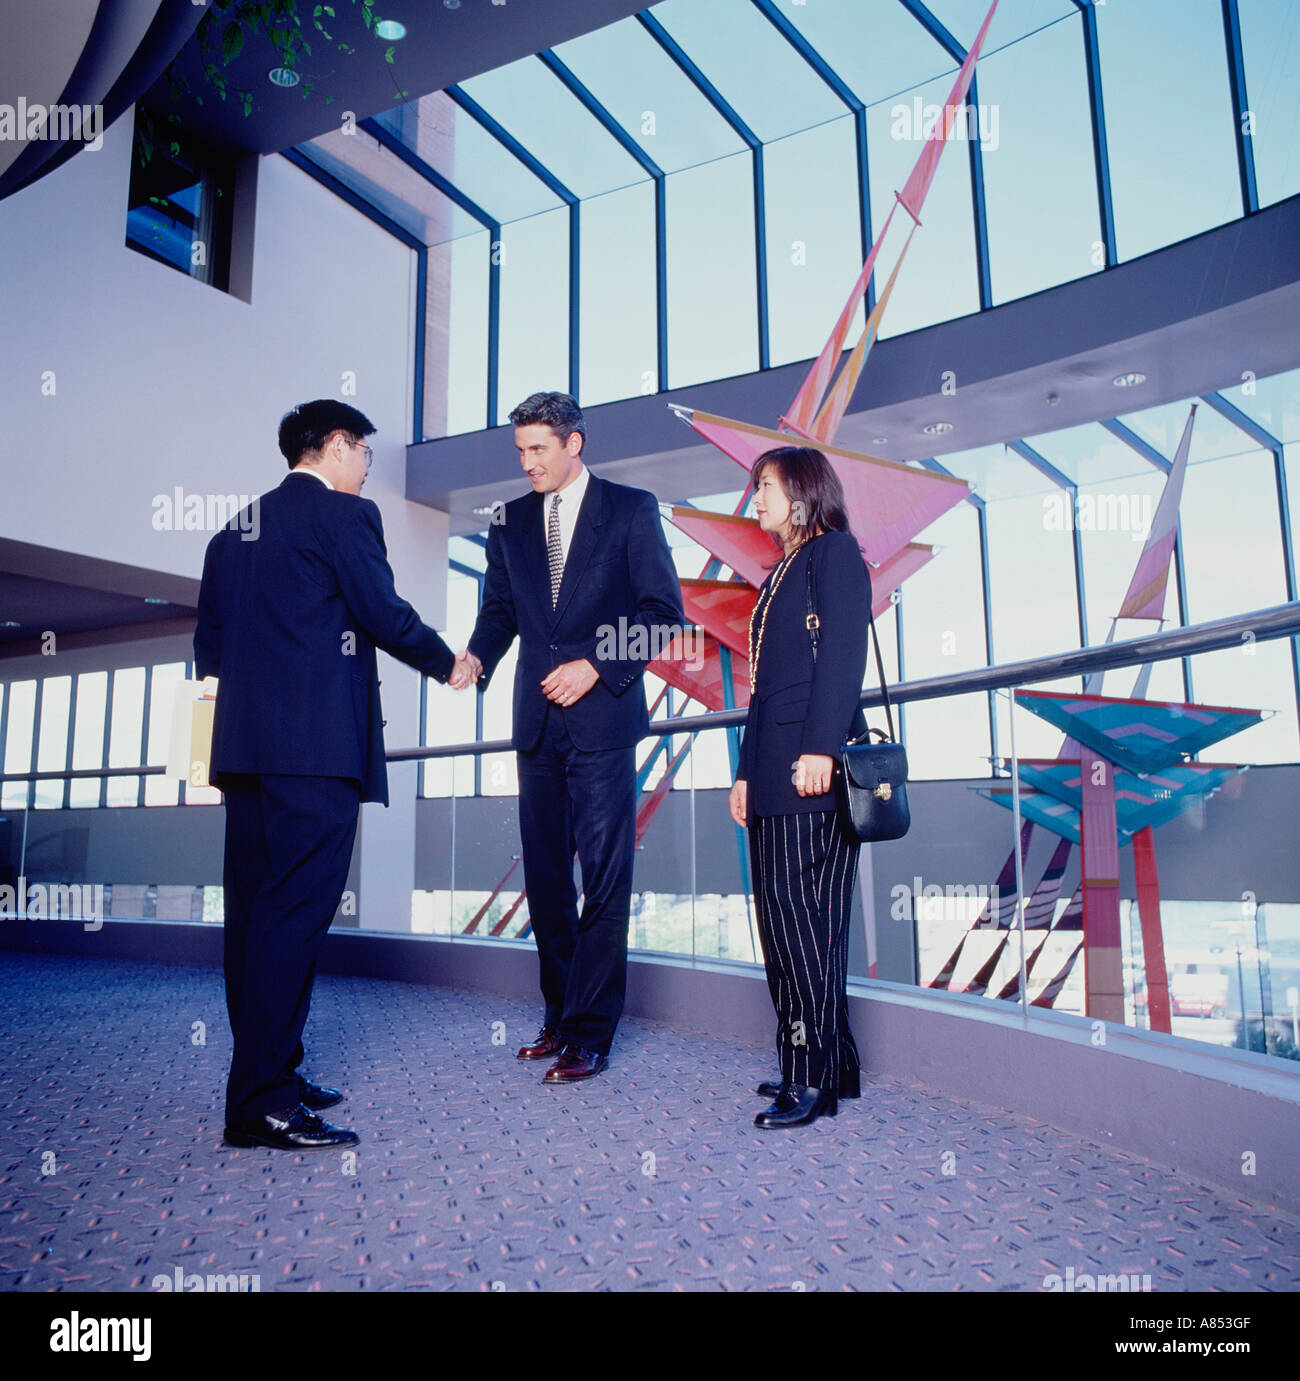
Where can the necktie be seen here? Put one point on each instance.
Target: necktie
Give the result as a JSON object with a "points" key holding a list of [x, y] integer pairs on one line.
{"points": [[554, 550]]}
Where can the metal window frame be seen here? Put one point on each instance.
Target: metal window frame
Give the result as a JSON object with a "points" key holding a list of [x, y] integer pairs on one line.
{"points": [[1265, 439], [979, 206], [577, 88], [1100, 146], [1240, 105], [796, 38], [978, 503], [1149, 453], [1058, 477], [728, 112]]}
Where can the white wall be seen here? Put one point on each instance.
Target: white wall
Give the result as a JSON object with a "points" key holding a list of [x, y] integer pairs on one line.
{"points": [[161, 381]]}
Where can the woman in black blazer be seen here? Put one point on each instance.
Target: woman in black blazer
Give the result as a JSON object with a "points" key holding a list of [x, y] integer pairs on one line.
{"points": [[802, 707]]}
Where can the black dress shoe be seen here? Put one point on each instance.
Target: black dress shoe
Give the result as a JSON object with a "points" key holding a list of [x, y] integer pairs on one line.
{"points": [[548, 1043], [316, 1097], [850, 1087], [574, 1063], [796, 1105], [299, 1130]]}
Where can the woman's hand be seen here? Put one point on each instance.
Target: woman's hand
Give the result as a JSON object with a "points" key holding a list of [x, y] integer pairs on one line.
{"points": [[812, 774], [739, 803]]}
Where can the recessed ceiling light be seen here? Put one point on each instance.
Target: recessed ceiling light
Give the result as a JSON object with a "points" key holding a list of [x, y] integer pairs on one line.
{"points": [[283, 76], [937, 428], [155, 599], [390, 30], [10, 623], [879, 440], [1129, 380]]}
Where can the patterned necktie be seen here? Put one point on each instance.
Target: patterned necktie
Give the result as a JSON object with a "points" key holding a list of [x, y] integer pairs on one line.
{"points": [[554, 550]]}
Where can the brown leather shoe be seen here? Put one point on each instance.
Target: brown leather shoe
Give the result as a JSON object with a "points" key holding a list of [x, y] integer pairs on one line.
{"points": [[548, 1043], [575, 1063]]}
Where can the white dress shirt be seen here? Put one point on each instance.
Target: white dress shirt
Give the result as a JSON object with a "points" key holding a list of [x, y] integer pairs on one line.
{"points": [[571, 498], [307, 470]]}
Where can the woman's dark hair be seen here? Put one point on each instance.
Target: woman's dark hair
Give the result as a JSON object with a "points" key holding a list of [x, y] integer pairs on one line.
{"points": [[557, 411], [306, 427], [812, 486]]}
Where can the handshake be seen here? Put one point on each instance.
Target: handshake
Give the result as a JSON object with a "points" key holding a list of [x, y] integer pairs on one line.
{"points": [[466, 671]]}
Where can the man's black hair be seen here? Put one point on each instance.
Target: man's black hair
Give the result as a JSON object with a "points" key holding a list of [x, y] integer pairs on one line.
{"points": [[306, 427]]}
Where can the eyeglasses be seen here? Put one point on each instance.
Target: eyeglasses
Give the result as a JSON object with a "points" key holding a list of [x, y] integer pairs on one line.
{"points": [[370, 455]]}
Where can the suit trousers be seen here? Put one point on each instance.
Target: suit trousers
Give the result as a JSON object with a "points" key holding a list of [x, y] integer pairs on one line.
{"points": [[288, 846], [804, 867], [570, 799]]}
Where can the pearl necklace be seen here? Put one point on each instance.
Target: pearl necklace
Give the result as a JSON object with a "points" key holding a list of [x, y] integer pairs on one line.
{"points": [[756, 651]]}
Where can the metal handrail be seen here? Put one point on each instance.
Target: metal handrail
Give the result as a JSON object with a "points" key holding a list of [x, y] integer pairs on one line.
{"points": [[1263, 625]]}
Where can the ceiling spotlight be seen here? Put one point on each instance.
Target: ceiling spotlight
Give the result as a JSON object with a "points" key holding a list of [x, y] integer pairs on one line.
{"points": [[1129, 380], [1053, 400], [937, 428], [155, 599], [10, 623], [390, 30], [879, 440], [283, 76]]}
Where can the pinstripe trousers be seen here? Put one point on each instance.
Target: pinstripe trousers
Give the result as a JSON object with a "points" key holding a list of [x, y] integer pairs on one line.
{"points": [[804, 866]]}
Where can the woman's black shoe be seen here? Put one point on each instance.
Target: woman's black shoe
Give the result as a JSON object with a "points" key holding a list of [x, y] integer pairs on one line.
{"points": [[796, 1105], [850, 1087]]}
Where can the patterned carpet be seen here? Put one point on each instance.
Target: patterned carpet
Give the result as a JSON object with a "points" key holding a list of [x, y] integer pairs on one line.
{"points": [[473, 1176]]}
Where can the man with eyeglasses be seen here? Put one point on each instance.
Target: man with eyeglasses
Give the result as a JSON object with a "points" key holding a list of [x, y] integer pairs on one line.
{"points": [[288, 624]]}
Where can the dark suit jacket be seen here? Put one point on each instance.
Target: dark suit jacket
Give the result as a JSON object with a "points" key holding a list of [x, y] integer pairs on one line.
{"points": [[798, 707], [619, 604], [289, 623]]}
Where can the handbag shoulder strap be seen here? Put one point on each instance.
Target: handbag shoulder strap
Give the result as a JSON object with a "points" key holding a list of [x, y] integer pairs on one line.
{"points": [[814, 629]]}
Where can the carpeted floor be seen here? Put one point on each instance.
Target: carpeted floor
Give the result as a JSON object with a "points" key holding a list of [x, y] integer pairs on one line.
{"points": [[473, 1176]]}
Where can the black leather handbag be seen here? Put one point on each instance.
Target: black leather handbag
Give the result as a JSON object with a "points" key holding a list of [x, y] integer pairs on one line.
{"points": [[871, 777]]}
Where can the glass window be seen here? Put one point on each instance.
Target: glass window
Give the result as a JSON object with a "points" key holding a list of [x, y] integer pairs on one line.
{"points": [[534, 308], [456, 380], [1039, 172], [879, 54], [88, 735], [52, 750], [1270, 45], [376, 173], [454, 143], [531, 102], [1173, 157], [19, 727], [943, 632], [450, 715], [180, 200], [814, 236], [126, 717], [162, 791], [1013, 20], [1273, 402], [772, 89], [618, 357], [712, 320], [649, 96], [938, 281]]}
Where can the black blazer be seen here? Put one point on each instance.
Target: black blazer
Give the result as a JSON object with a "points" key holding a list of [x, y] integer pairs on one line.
{"points": [[289, 623], [619, 605], [798, 707]]}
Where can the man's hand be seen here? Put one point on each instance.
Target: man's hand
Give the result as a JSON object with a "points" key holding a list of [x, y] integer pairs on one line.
{"points": [[812, 774], [568, 683], [738, 801], [466, 672]]}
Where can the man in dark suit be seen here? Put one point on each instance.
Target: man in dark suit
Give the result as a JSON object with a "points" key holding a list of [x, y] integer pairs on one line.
{"points": [[579, 570], [288, 623]]}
